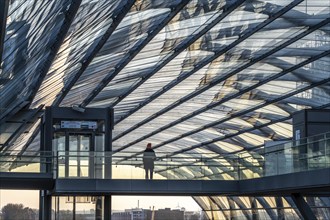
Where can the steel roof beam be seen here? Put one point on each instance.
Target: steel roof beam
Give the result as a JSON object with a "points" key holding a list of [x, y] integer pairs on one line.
{"points": [[232, 135], [117, 18], [249, 110], [223, 138], [290, 17], [31, 139], [241, 206], [303, 207], [54, 48], [269, 211], [299, 74], [152, 33], [12, 110], [293, 205], [243, 112], [223, 78], [69, 17], [184, 45], [4, 5], [279, 207], [220, 206], [243, 36], [19, 130], [254, 208], [214, 104]]}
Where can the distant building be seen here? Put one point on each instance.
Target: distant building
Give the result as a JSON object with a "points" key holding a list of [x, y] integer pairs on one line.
{"points": [[167, 213], [193, 216], [132, 214], [140, 214], [146, 214], [121, 215]]}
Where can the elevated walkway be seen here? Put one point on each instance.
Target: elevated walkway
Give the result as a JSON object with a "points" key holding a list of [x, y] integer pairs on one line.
{"points": [[32, 181], [287, 168], [285, 184]]}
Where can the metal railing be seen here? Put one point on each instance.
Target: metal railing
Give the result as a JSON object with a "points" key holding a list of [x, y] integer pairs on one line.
{"points": [[296, 156]]}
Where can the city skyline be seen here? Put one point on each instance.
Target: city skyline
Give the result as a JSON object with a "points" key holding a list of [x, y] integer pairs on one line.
{"points": [[30, 198]]}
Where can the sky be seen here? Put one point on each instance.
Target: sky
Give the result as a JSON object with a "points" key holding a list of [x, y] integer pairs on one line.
{"points": [[30, 198]]}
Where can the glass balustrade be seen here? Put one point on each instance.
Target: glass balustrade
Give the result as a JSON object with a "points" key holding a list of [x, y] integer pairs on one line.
{"points": [[27, 162], [296, 156]]}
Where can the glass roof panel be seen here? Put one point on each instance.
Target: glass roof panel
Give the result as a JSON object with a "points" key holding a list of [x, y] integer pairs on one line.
{"points": [[30, 32], [151, 106], [90, 24], [206, 83]]}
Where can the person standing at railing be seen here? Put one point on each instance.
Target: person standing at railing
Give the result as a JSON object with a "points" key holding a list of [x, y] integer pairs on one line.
{"points": [[149, 157]]}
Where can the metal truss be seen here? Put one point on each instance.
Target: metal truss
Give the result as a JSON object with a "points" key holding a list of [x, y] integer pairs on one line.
{"points": [[245, 35], [220, 79], [240, 204], [184, 45], [117, 18], [21, 128], [69, 17], [4, 5], [35, 133], [269, 211], [214, 82], [152, 33], [303, 206], [279, 207], [24, 102], [249, 110], [221, 121], [12, 110], [230, 136], [221, 206], [293, 205], [212, 105]]}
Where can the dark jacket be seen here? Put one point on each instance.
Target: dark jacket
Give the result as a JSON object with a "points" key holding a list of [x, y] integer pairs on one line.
{"points": [[149, 157]]}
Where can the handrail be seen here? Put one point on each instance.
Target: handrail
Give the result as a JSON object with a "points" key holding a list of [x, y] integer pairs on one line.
{"points": [[314, 153]]}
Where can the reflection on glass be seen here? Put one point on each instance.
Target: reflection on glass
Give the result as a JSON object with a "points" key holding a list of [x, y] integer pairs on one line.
{"points": [[77, 207], [79, 146]]}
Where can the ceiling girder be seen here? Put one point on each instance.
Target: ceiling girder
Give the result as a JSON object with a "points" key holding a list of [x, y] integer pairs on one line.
{"points": [[214, 104], [133, 53], [252, 109], [4, 5], [117, 18], [223, 78], [70, 14], [245, 35], [184, 45]]}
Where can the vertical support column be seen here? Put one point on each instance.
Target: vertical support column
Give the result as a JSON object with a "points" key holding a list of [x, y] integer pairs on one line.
{"points": [[74, 208], [98, 208], [45, 205], [303, 207], [45, 201], [107, 207], [109, 122], [46, 140]]}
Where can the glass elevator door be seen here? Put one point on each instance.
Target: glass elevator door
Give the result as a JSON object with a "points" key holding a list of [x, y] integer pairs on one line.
{"points": [[80, 155]]}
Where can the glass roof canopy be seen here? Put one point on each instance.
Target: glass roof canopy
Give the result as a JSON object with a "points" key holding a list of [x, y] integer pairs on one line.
{"points": [[198, 76]]}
